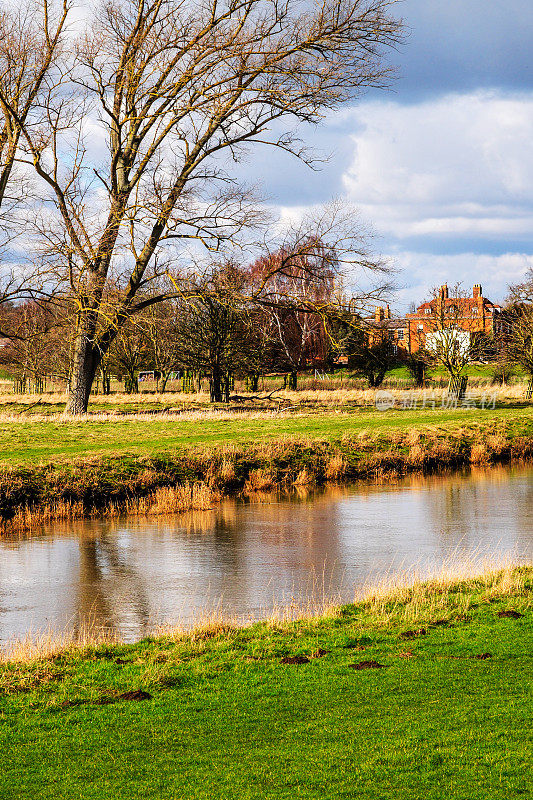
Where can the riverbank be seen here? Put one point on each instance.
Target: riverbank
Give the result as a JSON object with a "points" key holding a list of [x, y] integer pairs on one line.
{"points": [[413, 691], [141, 472]]}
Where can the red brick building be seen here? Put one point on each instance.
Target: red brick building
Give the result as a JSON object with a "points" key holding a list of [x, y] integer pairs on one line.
{"points": [[475, 314]]}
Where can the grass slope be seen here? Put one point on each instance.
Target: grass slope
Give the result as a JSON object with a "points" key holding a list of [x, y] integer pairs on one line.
{"points": [[141, 472], [30, 441], [226, 718]]}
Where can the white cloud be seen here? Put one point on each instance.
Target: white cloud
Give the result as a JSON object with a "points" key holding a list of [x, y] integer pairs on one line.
{"points": [[460, 165], [420, 272]]}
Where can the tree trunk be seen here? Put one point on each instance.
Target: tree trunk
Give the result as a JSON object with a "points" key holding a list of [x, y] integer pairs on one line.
{"points": [[375, 379], [227, 386], [85, 363], [131, 384], [216, 385], [165, 374], [293, 380], [254, 382]]}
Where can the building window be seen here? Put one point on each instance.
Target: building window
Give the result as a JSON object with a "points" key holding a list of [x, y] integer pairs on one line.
{"points": [[420, 327], [428, 311], [474, 312], [401, 335]]}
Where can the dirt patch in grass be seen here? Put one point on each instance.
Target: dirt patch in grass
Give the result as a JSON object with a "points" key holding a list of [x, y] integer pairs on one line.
{"points": [[136, 694], [509, 613], [413, 634]]}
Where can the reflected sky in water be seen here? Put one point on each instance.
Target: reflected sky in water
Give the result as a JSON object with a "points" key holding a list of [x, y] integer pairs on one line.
{"points": [[129, 575]]}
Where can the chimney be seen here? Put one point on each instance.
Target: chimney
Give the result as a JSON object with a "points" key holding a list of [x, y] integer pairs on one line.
{"points": [[380, 314], [387, 311], [444, 291], [476, 291]]}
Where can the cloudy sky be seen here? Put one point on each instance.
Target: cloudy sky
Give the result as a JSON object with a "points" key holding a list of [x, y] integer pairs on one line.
{"points": [[441, 164]]}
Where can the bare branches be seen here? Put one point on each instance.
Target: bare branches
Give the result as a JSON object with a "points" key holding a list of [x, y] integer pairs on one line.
{"points": [[175, 93], [449, 332], [30, 44], [516, 341]]}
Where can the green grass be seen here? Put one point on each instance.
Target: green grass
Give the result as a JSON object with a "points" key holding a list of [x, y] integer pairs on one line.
{"points": [[29, 441], [227, 719]]}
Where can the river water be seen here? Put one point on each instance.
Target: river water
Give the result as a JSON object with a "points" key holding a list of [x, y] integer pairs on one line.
{"points": [[128, 575]]}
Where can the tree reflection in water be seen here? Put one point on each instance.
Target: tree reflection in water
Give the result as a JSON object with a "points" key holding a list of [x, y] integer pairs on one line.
{"points": [[127, 575]]}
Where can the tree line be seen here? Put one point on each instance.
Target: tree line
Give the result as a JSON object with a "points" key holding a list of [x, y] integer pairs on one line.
{"points": [[212, 332], [215, 334]]}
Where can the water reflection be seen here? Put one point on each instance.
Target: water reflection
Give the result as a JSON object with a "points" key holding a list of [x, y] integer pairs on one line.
{"points": [[129, 575]]}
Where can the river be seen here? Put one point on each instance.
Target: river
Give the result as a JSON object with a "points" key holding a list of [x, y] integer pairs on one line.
{"points": [[241, 559]]}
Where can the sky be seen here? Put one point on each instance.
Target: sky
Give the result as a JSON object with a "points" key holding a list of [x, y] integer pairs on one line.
{"points": [[440, 165]]}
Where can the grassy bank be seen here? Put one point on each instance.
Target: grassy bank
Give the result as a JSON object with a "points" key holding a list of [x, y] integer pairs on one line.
{"points": [[61, 469], [412, 692]]}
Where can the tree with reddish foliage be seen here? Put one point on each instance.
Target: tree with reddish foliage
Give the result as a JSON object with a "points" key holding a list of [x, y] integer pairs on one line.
{"points": [[299, 292]]}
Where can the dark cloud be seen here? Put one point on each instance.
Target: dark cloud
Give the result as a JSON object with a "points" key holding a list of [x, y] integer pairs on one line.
{"points": [[460, 45]]}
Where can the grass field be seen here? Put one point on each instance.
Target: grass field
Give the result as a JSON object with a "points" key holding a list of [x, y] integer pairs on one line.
{"points": [[413, 693], [40, 440]]}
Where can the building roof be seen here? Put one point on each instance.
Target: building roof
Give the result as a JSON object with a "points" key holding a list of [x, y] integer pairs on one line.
{"points": [[465, 302]]}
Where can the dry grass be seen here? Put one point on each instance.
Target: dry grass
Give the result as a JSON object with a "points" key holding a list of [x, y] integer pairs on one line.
{"points": [[172, 500], [479, 454], [29, 518], [164, 500], [336, 468], [45, 645], [259, 480], [411, 597], [304, 478], [180, 405]]}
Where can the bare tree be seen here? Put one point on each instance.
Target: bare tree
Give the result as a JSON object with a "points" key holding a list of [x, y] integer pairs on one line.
{"points": [[447, 331], [417, 364], [31, 35], [516, 339], [127, 355], [369, 350], [300, 284], [522, 292], [214, 330], [29, 350], [160, 323], [30, 44], [180, 90]]}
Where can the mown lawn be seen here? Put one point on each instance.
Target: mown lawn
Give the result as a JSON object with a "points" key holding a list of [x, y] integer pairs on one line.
{"points": [[30, 441], [448, 715]]}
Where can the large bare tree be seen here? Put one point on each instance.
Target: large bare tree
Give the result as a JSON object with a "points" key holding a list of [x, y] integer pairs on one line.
{"points": [[448, 332], [31, 35], [174, 92]]}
